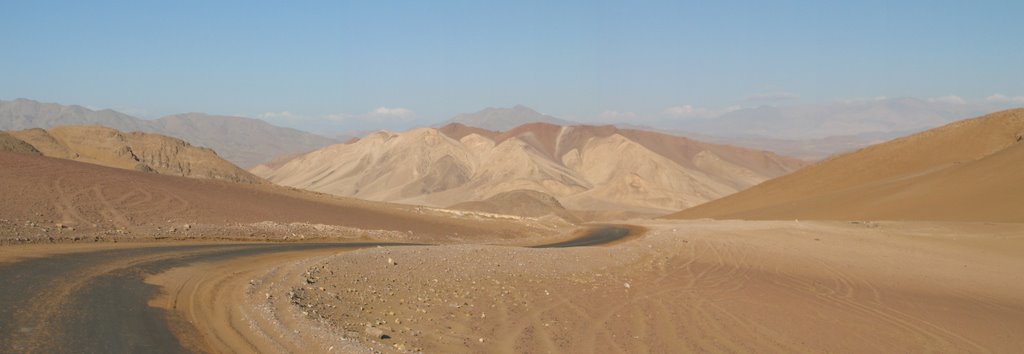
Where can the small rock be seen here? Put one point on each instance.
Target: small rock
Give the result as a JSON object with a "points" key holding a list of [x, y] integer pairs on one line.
{"points": [[376, 333], [626, 285]]}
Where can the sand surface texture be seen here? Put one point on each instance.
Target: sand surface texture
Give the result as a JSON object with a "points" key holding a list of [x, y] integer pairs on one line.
{"points": [[971, 170], [729, 286]]}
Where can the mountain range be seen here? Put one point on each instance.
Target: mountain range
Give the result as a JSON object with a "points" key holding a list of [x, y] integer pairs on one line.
{"points": [[501, 119], [894, 116], [243, 141], [584, 167]]}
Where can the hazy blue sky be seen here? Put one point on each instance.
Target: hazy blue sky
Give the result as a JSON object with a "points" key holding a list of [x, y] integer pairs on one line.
{"points": [[429, 60]]}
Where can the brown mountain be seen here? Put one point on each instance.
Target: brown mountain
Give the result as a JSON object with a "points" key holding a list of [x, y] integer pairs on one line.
{"points": [[134, 151], [584, 167], [971, 170]]}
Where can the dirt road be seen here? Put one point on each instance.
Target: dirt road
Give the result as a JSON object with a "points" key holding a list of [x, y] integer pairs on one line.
{"points": [[99, 301]]}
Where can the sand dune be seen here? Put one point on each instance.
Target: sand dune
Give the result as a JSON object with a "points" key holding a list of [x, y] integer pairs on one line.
{"points": [[585, 167], [49, 199], [966, 171]]}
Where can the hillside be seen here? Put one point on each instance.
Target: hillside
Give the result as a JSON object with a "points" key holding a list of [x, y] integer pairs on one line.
{"points": [[56, 198], [969, 170], [9, 143], [134, 151], [584, 167], [243, 141], [520, 203]]}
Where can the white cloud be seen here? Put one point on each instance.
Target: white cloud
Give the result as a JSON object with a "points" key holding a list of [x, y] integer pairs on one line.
{"points": [[863, 99], [951, 99], [690, 111], [1001, 98], [773, 96], [684, 111], [280, 116], [616, 115], [392, 112]]}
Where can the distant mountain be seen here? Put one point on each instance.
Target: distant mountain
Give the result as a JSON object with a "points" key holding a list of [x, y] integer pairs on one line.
{"points": [[243, 141], [133, 151], [971, 170], [584, 167], [820, 121], [807, 149], [500, 119], [23, 114]]}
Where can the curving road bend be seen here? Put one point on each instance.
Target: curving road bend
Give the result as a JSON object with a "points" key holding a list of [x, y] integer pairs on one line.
{"points": [[99, 301]]}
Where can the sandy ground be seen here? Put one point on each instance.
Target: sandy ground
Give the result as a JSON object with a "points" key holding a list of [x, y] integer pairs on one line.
{"points": [[686, 286], [683, 286]]}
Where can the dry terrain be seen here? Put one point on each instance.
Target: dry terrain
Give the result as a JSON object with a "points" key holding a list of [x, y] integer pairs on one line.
{"points": [[53, 200], [970, 170], [134, 151], [685, 286], [586, 168], [371, 276]]}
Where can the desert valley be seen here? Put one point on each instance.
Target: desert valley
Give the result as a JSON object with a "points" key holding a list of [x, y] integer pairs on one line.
{"points": [[512, 177], [540, 238]]}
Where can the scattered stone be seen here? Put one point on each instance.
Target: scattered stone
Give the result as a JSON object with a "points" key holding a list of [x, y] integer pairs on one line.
{"points": [[376, 333], [626, 285]]}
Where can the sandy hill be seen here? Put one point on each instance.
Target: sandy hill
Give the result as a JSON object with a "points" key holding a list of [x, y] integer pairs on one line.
{"points": [[522, 203], [243, 141], [970, 170], [43, 192], [9, 143], [584, 167], [492, 118], [135, 151]]}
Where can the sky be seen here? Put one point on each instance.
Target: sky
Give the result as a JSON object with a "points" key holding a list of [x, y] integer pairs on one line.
{"points": [[386, 64]]}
